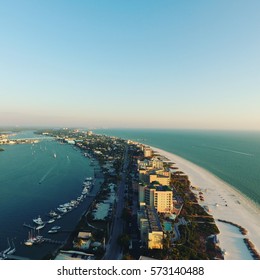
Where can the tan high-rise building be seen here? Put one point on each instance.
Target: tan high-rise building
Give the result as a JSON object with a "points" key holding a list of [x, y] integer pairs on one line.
{"points": [[160, 197], [148, 152]]}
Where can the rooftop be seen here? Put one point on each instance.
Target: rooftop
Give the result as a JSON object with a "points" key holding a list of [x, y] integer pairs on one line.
{"points": [[153, 219]]}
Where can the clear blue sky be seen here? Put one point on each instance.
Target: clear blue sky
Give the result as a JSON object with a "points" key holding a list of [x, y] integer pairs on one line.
{"points": [[169, 64]]}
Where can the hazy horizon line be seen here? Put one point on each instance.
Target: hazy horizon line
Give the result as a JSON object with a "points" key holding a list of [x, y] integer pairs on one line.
{"points": [[35, 127]]}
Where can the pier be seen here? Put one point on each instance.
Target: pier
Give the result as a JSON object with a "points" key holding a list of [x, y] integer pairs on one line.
{"points": [[29, 226]]}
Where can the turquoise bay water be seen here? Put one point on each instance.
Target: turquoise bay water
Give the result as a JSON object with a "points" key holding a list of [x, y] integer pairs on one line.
{"points": [[33, 182], [232, 156]]}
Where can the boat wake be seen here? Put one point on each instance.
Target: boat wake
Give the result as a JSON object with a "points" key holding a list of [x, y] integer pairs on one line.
{"points": [[46, 175], [227, 150]]}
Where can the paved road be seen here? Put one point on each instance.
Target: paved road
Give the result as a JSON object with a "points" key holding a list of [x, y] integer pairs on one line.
{"points": [[113, 250]]}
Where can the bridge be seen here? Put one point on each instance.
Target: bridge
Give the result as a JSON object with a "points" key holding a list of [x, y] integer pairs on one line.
{"points": [[29, 139]]}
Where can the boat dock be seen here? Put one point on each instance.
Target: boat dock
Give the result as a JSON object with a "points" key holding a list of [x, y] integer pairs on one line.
{"points": [[29, 226]]}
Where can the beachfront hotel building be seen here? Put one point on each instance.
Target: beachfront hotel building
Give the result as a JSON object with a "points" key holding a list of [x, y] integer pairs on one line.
{"points": [[150, 164], [156, 163], [160, 197], [148, 152], [144, 164], [150, 228], [157, 196], [161, 176]]}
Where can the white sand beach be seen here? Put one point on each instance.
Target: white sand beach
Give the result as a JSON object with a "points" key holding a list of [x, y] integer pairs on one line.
{"points": [[224, 202]]}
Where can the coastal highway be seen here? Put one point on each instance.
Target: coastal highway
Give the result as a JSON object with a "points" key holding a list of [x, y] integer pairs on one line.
{"points": [[113, 250]]}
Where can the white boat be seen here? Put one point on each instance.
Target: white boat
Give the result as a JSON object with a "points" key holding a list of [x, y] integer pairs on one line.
{"points": [[85, 190], [73, 202], [88, 179], [64, 205], [51, 221], [62, 209], [54, 155], [53, 213], [55, 228], [53, 231], [38, 221], [28, 243], [40, 226], [86, 184]]}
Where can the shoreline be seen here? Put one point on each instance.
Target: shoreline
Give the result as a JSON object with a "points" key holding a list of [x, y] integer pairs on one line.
{"points": [[223, 202]]}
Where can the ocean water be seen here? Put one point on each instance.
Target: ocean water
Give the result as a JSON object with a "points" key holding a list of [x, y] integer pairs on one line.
{"points": [[232, 156], [33, 182]]}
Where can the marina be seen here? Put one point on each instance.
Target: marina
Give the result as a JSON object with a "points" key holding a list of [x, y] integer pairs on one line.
{"points": [[62, 209], [52, 198]]}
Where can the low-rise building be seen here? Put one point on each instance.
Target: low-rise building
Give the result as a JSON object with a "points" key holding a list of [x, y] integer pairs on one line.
{"points": [[161, 179], [84, 234], [156, 163]]}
